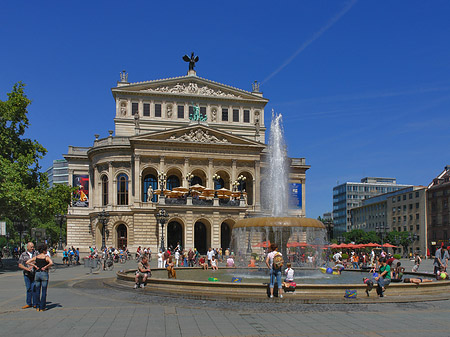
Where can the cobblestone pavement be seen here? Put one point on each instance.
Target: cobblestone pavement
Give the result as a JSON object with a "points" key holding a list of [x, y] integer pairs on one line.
{"points": [[79, 305]]}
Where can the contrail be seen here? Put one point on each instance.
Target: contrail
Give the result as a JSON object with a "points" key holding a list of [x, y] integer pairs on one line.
{"points": [[312, 39]]}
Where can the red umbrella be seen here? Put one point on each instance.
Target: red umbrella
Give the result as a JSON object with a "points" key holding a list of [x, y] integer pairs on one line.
{"points": [[388, 245], [296, 244], [263, 244], [371, 245]]}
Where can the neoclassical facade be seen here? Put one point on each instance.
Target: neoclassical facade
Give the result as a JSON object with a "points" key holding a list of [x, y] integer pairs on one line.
{"points": [[183, 127]]}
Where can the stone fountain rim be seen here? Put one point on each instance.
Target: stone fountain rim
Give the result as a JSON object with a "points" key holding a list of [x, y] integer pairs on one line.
{"points": [[279, 222]]}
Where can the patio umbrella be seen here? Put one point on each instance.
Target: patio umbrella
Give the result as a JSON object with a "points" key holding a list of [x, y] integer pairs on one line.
{"points": [[158, 191], [208, 191], [263, 244], [223, 191], [296, 244], [180, 189], [198, 187], [388, 245], [371, 244]]}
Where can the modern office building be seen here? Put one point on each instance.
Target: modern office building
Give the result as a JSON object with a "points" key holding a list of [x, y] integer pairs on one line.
{"points": [[351, 194], [58, 173], [176, 132], [403, 210], [438, 195]]}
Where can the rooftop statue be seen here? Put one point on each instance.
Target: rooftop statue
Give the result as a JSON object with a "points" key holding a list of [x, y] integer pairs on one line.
{"points": [[192, 60]]}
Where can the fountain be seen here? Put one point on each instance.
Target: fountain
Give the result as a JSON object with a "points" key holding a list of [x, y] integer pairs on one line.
{"points": [[275, 226]]}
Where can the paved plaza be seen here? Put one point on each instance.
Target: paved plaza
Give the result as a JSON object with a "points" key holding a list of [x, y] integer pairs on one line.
{"points": [[81, 305]]}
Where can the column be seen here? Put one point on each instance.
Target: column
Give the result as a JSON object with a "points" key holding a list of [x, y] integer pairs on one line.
{"points": [[162, 165], [137, 179], [257, 186], [111, 201], [184, 183], [233, 171], [209, 181]]}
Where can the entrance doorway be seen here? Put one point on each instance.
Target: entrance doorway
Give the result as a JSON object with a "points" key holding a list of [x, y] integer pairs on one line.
{"points": [[200, 237], [174, 234], [225, 236], [121, 236]]}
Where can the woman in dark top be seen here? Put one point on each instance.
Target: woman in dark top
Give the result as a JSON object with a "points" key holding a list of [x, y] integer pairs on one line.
{"points": [[41, 263]]}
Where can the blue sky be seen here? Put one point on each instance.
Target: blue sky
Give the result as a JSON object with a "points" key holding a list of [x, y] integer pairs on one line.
{"points": [[363, 86]]}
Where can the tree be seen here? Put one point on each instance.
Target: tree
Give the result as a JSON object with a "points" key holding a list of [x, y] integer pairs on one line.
{"points": [[360, 236], [399, 238], [24, 190]]}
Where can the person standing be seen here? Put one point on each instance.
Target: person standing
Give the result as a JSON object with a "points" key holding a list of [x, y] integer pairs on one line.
{"points": [[160, 259], [440, 259], [191, 258], [177, 257], [210, 254], [41, 263], [275, 270], [28, 274]]}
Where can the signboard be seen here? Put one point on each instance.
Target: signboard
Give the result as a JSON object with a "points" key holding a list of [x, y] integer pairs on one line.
{"points": [[295, 195], [81, 196], [2, 227]]}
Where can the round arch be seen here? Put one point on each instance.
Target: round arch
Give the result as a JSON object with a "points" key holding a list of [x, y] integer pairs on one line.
{"points": [[247, 186], [202, 235], [226, 179], [226, 227], [200, 177], [174, 178], [121, 236], [175, 232], [149, 178]]}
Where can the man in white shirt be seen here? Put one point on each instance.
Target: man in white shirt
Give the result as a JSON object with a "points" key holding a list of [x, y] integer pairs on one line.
{"points": [[337, 257], [210, 254]]}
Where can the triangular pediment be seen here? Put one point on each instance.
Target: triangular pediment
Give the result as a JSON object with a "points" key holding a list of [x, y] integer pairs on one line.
{"points": [[188, 86], [196, 134]]}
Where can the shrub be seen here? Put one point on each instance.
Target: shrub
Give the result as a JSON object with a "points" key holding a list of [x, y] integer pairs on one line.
{"points": [[397, 256], [345, 256]]}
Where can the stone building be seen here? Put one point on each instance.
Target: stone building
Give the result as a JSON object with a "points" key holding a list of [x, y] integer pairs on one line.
{"points": [[438, 195], [174, 129]]}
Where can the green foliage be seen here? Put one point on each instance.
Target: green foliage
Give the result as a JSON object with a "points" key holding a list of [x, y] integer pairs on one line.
{"points": [[24, 192], [397, 256], [360, 236], [344, 256], [399, 238]]}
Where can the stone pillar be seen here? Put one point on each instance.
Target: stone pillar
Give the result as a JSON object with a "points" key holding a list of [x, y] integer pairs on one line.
{"points": [[71, 177], [111, 200], [137, 179], [233, 172], [215, 230], [257, 186], [209, 181], [189, 230], [184, 183]]}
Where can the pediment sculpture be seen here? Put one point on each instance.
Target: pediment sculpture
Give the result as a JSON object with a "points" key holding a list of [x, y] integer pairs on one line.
{"points": [[191, 89], [199, 136]]}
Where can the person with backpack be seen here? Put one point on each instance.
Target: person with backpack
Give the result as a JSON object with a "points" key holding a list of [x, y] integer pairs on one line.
{"points": [[274, 262]]}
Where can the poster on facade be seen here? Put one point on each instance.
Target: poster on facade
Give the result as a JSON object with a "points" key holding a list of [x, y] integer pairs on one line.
{"points": [[81, 195], [295, 195]]}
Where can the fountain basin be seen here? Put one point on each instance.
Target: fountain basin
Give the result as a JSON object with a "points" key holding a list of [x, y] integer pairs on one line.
{"points": [[304, 293]]}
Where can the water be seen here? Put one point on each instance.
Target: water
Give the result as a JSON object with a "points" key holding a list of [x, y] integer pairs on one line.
{"points": [[277, 187]]}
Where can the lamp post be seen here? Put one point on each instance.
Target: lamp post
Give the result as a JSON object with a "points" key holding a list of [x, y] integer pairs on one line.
{"points": [[189, 178], [21, 226], [161, 217], [60, 218], [162, 178], [412, 238], [381, 230], [241, 179], [103, 218], [216, 179]]}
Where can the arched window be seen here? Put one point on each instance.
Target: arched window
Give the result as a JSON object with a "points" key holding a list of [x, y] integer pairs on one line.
{"points": [[172, 182], [218, 184], [197, 181], [104, 190], [122, 189], [149, 180]]}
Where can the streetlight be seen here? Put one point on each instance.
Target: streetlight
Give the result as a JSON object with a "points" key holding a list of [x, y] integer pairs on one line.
{"points": [[162, 178], [381, 230], [216, 179], [21, 226], [60, 218], [241, 179], [161, 217], [189, 178], [103, 217]]}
